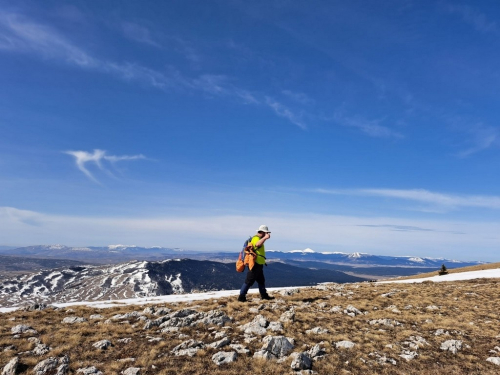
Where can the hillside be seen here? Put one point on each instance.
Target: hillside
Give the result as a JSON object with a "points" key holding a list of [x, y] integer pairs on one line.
{"points": [[147, 279], [359, 328]]}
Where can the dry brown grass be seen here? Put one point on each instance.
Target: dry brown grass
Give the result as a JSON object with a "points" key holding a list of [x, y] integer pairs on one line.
{"points": [[468, 310]]}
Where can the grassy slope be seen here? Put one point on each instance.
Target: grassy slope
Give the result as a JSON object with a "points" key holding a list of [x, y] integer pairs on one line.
{"points": [[466, 310], [487, 266]]}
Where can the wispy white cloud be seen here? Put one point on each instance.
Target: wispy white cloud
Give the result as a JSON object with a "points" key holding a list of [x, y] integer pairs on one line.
{"points": [[283, 111], [369, 127], [473, 17], [299, 97], [482, 138], [97, 157], [19, 34], [449, 201], [376, 235], [138, 33]]}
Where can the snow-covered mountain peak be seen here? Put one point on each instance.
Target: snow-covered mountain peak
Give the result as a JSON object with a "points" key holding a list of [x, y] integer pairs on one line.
{"points": [[114, 247], [310, 251]]}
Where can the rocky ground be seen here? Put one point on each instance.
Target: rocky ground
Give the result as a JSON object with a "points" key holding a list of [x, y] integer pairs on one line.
{"points": [[359, 328]]}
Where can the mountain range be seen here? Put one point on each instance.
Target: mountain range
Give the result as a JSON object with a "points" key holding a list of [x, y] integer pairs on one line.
{"points": [[146, 279], [120, 253]]}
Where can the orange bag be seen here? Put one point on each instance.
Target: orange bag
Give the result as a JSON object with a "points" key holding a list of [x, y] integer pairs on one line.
{"points": [[247, 256], [240, 265]]}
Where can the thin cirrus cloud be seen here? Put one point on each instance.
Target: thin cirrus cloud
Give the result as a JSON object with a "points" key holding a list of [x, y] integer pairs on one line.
{"points": [[19, 34], [445, 201], [98, 157], [473, 17]]}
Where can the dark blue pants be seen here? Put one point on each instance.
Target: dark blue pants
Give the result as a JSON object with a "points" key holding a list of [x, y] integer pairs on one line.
{"points": [[253, 275]]}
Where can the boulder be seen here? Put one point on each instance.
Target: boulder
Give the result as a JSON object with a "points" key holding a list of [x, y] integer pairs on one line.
{"points": [[219, 344], [11, 367], [41, 349], [132, 371], [263, 354], [22, 328], [288, 316], [103, 344], [345, 344], [89, 371], [189, 348], [352, 311], [494, 360], [278, 346], [46, 365], [317, 331], [289, 292], [451, 346], [316, 351], [257, 326], [224, 357], [215, 317], [73, 320], [241, 349], [408, 354], [275, 327], [300, 361], [385, 322]]}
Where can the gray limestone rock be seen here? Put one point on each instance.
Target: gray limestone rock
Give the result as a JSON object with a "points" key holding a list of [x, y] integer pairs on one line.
{"points": [[189, 347], [452, 346], [278, 346], [11, 367], [132, 371], [241, 349], [224, 357], [385, 322], [317, 331], [352, 311], [408, 354], [89, 371], [300, 361], [316, 351], [46, 365], [288, 316], [73, 320], [215, 317], [22, 328], [263, 354], [103, 344], [257, 326], [275, 327], [345, 344], [494, 360], [289, 292], [41, 349], [219, 344]]}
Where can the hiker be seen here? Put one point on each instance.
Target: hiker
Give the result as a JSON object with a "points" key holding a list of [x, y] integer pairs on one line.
{"points": [[256, 273]]}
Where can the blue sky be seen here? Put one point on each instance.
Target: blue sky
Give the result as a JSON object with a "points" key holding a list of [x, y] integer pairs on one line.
{"points": [[343, 126]]}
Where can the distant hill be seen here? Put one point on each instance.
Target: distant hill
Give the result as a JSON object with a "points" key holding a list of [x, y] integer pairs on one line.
{"points": [[143, 278], [357, 264], [102, 255], [13, 263]]}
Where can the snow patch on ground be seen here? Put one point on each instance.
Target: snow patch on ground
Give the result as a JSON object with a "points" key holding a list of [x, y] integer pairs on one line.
{"points": [[483, 274]]}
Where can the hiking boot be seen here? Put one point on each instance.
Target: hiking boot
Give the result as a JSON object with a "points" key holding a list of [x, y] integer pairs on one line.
{"points": [[242, 298], [266, 296]]}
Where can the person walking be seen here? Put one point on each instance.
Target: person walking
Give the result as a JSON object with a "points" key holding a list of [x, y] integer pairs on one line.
{"points": [[257, 271]]}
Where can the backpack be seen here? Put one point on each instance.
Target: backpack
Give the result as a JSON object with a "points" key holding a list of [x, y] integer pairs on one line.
{"points": [[247, 247]]}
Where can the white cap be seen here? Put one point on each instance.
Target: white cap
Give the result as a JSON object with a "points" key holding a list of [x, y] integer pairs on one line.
{"points": [[263, 228]]}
